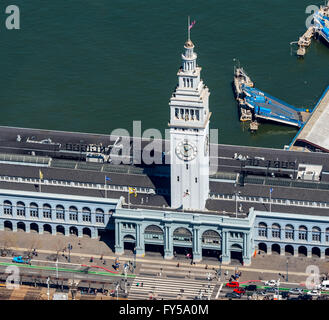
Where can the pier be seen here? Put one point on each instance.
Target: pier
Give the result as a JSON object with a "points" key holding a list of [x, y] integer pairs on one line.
{"points": [[314, 135], [318, 28], [305, 41], [255, 104]]}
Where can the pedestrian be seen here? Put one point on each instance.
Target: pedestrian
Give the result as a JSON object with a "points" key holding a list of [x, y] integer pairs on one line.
{"points": [[206, 267], [142, 284], [191, 262], [91, 259], [177, 265], [101, 257]]}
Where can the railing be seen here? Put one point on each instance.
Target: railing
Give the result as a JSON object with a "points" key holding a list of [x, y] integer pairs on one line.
{"points": [[277, 201], [74, 184]]}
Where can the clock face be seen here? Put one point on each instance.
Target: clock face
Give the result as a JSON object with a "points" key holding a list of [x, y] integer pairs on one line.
{"points": [[186, 150]]}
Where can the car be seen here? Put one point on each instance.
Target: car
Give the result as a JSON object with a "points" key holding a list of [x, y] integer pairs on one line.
{"points": [[272, 283], [293, 298], [323, 297], [285, 294], [251, 287], [240, 290], [232, 284], [261, 293], [296, 291], [313, 293], [270, 290], [232, 295], [20, 259], [305, 297]]}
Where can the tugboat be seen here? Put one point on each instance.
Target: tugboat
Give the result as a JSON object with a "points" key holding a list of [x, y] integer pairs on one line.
{"points": [[240, 79]]}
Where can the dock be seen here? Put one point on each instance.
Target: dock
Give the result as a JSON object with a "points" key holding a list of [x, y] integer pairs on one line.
{"points": [[314, 135], [321, 23], [255, 104]]}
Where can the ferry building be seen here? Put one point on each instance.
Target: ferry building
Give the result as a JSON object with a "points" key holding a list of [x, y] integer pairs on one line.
{"points": [[259, 199]]}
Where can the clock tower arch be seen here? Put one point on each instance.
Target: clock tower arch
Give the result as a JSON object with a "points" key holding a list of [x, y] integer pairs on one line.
{"points": [[189, 135]]}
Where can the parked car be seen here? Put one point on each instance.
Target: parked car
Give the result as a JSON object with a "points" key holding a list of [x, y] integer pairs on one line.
{"points": [[272, 283], [323, 297], [232, 284], [20, 259], [293, 298], [271, 290], [285, 294], [251, 287], [296, 291], [261, 293], [239, 290], [233, 295], [314, 293]]}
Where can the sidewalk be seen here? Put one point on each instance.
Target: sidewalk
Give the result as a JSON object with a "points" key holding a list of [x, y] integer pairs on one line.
{"points": [[263, 267]]}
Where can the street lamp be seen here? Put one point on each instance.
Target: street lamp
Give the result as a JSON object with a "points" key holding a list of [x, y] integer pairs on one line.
{"points": [[287, 270], [70, 248]]}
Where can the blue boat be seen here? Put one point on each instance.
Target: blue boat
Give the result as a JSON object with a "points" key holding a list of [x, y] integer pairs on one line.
{"points": [[321, 23]]}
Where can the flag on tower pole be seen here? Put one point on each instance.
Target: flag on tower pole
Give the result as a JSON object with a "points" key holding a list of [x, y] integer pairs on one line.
{"points": [[106, 179], [192, 24], [41, 178], [271, 190]]}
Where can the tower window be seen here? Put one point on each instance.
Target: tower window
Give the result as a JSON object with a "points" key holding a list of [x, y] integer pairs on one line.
{"points": [[186, 166], [196, 180], [178, 178], [182, 113], [176, 113], [197, 115], [184, 80], [192, 83]]}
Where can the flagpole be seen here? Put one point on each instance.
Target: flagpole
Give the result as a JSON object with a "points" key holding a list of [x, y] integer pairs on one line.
{"points": [[40, 184], [270, 201], [128, 198], [188, 28], [105, 187]]}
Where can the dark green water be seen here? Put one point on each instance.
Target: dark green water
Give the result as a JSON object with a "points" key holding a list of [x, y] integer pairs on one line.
{"points": [[94, 66]]}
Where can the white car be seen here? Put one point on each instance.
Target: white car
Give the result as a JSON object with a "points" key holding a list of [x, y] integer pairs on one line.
{"points": [[272, 283], [314, 293], [296, 291]]}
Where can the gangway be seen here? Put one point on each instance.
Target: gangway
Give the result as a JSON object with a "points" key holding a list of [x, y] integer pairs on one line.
{"points": [[265, 106]]}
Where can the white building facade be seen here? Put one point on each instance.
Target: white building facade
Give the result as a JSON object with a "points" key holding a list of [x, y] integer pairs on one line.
{"points": [[189, 136]]}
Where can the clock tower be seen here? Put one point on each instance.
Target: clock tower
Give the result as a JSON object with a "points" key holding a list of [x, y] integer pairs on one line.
{"points": [[189, 135]]}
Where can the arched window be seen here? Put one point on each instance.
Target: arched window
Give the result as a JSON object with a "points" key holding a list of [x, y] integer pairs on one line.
{"points": [[182, 234], [197, 114], [262, 229], [99, 215], [289, 231], [86, 214], [211, 237], [316, 234], [302, 233], [176, 113], [7, 208], [73, 213], [60, 212], [20, 209], [46, 211], [276, 231], [34, 211]]}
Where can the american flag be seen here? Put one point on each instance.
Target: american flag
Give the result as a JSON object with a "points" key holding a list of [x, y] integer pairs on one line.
{"points": [[192, 24]]}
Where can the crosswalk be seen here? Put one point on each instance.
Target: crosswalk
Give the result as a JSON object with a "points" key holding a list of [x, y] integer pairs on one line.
{"points": [[145, 287]]}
